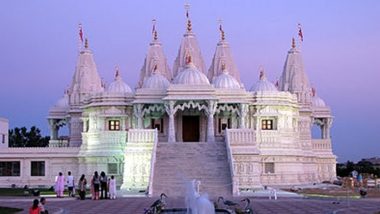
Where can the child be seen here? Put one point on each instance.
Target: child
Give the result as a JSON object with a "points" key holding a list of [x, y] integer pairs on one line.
{"points": [[35, 209], [112, 187]]}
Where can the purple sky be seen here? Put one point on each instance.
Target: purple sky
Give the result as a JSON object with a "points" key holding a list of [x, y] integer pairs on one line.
{"points": [[38, 50]]}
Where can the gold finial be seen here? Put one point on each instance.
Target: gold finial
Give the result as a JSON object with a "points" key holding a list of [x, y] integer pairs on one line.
{"points": [[262, 73], [293, 43], [189, 27], [313, 92], [154, 31], [86, 43], [222, 36], [117, 72]]}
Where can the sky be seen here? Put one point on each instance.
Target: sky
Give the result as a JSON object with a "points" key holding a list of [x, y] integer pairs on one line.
{"points": [[341, 52]]}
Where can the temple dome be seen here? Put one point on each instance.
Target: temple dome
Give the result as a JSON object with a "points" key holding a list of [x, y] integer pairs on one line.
{"points": [[191, 76], [156, 81], [225, 80], [318, 102], [118, 85], [63, 103], [263, 84]]}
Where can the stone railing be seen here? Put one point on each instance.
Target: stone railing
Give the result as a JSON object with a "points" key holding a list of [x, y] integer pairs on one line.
{"points": [[321, 145], [58, 143], [142, 135], [230, 136], [240, 136], [152, 163]]}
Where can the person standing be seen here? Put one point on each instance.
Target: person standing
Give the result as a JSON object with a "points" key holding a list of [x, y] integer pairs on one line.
{"points": [[70, 184], [96, 184], [82, 187], [112, 187], [103, 185], [59, 185]]}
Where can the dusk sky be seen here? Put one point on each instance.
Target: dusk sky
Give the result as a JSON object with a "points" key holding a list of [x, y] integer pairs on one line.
{"points": [[341, 51]]}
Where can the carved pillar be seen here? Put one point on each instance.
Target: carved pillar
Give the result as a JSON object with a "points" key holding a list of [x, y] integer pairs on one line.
{"points": [[328, 124], [53, 129], [138, 112], [169, 108], [243, 115], [210, 120]]}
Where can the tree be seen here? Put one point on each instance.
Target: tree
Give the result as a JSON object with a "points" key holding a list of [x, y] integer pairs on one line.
{"points": [[21, 137]]}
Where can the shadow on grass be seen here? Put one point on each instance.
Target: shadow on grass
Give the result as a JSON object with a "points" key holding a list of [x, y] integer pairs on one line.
{"points": [[9, 210]]}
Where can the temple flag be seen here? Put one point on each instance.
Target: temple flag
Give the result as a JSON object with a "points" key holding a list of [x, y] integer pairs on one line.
{"points": [[300, 34]]}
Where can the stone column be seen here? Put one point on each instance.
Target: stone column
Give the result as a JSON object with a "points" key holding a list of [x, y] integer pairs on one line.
{"points": [[138, 112], [328, 124], [210, 120], [169, 108], [53, 129], [243, 115]]}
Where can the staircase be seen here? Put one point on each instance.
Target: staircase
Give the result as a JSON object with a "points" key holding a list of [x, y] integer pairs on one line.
{"points": [[178, 163]]}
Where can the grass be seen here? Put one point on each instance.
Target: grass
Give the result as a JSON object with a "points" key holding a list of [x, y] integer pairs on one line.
{"points": [[9, 210], [22, 192]]}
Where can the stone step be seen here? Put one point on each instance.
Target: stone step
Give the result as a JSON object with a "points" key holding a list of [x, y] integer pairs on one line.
{"points": [[180, 162]]}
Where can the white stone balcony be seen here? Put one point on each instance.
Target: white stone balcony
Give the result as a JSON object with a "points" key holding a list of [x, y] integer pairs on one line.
{"points": [[58, 143]]}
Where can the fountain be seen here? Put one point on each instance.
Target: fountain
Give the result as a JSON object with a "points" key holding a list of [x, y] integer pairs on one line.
{"points": [[196, 203]]}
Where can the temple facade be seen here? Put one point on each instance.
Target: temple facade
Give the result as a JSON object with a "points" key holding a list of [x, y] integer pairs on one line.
{"points": [[261, 135]]}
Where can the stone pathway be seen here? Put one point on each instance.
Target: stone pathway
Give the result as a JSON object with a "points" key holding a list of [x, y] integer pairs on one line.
{"points": [[260, 205]]}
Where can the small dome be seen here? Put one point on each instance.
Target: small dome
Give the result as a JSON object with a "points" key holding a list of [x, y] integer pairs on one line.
{"points": [[63, 102], [317, 102], [156, 81], [263, 84], [225, 80], [191, 76], [118, 86]]}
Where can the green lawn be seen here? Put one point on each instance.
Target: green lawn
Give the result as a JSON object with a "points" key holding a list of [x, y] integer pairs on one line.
{"points": [[9, 210], [22, 192]]}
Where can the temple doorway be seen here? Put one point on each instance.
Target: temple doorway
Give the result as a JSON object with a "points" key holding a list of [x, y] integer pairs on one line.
{"points": [[190, 128]]}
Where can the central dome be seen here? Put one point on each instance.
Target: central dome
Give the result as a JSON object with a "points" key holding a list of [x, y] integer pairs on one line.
{"points": [[263, 84], [191, 76], [225, 80], [118, 86], [156, 81]]}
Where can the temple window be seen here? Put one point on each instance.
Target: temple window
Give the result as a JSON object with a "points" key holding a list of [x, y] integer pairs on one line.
{"points": [[112, 168], [267, 124], [3, 138], [10, 168], [269, 168], [114, 125], [37, 168]]}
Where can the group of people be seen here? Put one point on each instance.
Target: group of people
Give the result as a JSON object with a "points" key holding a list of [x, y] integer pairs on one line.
{"points": [[38, 207], [98, 183]]}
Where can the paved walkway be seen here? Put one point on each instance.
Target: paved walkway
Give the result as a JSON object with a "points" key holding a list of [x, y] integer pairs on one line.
{"points": [[260, 205]]}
